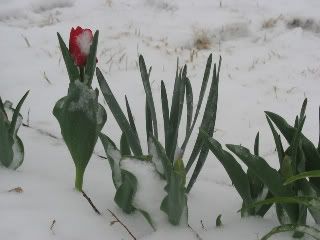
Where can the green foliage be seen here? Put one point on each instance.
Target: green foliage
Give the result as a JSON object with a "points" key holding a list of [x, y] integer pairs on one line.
{"points": [[218, 221], [168, 159], [79, 114], [311, 231], [81, 119], [11, 146], [124, 181], [288, 189]]}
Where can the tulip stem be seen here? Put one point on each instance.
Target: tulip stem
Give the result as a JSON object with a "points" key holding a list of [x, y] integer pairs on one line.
{"points": [[79, 179], [81, 74]]}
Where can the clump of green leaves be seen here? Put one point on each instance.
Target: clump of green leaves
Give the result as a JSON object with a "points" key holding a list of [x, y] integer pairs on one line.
{"points": [[79, 114], [168, 157], [11, 146], [286, 187]]}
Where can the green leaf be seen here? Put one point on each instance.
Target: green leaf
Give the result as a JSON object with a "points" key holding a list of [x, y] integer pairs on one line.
{"points": [[303, 109], [309, 174], [269, 176], [311, 231], [165, 113], [256, 145], [147, 88], [119, 115], [175, 203], [124, 145], [310, 202], [201, 95], [159, 158], [130, 116], [237, 175], [126, 192], [207, 124], [277, 141], [91, 60], [319, 133], [311, 154], [147, 216], [149, 129], [6, 141], [209, 116], [72, 69], [218, 221], [80, 120], [189, 98], [176, 112], [114, 158], [13, 128]]}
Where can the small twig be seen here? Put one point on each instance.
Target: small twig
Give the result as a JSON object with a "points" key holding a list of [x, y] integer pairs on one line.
{"points": [[91, 203], [118, 220], [26, 40], [195, 233], [16, 189], [46, 78], [202, 225], [28, 118], [52, 225]]}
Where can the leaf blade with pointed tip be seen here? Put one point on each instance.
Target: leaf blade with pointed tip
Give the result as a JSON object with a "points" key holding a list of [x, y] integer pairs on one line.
{"points": [[91, 60], [147, 88], [119, 115], [72, 69]]}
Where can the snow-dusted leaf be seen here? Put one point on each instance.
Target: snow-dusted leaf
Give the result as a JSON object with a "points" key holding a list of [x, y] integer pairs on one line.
{"points": [[81, 119]]}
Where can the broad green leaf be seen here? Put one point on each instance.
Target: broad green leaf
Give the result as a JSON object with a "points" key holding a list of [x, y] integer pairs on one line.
{"points": [[147, 88], [119, 115], [80, 124], [72, 69], [91, 60], [269, 176], [311, 231], [126, 192], [175, 203], [309, 174], [233, 168], [6, 141], [311, 153], [201, 95]]}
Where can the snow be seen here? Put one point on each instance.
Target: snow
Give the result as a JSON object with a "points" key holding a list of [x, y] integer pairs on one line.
{"points": [[85, 40], [270, 61]]}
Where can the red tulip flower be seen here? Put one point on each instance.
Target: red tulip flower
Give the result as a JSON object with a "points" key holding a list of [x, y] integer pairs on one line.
{"points": [[79, 45]]}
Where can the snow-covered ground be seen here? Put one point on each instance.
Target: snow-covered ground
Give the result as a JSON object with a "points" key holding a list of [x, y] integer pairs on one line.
{"points": [[271, 61]]}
